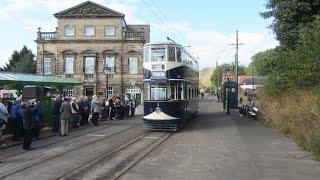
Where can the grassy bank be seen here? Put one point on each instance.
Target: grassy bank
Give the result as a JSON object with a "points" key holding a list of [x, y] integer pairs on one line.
{"points": [[296, 115]]}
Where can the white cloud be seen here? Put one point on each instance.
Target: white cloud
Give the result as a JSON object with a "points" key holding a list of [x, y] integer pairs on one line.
{"points": [[209, 45]]}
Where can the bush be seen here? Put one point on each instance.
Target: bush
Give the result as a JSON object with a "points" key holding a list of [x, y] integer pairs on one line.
{"points": [[296, 114]]}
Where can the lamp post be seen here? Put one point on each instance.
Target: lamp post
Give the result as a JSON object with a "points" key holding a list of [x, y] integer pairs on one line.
{"points": [[227, 100], [107, 71]]}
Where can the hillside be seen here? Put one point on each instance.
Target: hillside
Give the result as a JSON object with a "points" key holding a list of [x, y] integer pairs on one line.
{"points": [[204, 77]]}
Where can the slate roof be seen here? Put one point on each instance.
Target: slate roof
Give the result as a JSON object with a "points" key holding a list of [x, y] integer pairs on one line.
{"points": [[88, 9]]}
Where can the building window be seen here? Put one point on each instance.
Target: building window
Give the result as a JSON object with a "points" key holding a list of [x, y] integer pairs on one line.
{"points": [[70, 30], [110, 63], [47, 66], [89, 31], [69, 93], [89, 65], [133, 65], [109, 91], [110, 30], [69, 63]]}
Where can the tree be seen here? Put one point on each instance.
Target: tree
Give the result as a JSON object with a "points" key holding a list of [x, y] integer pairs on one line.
{"points": [[22, 61], [263, 63], [289, 16]]}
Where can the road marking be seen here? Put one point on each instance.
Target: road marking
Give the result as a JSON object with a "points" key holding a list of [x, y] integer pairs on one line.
{"points": [[96, 135]]}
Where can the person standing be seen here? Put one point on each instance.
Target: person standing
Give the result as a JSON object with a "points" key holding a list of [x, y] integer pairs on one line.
{"points": [[27, 114], [75, 112], [96, 110], [133, 105], [65, 116], [17, 120], [56, 105], [37, 119], [3, 116]]}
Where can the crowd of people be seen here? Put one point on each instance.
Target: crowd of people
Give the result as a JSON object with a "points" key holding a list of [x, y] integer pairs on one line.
{"points": [[81, 111], [25, 115]]}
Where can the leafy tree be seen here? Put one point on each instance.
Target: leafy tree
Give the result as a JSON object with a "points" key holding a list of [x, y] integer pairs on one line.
{"points": [[263, 63], [216, 77], [289, 16], [22, 61]]}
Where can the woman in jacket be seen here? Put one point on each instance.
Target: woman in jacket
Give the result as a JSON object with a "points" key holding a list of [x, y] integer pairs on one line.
{"points": [[75, 112], [27, 114], [37, 119]]}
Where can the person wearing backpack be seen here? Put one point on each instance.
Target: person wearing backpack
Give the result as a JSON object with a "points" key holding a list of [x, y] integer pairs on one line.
{"points": [[37, 119]]}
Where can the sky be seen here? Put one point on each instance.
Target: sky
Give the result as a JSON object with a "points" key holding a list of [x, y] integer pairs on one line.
{"points": [[206, 27]]}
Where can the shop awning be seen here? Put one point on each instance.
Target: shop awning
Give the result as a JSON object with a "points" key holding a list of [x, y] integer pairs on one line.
{"points": [[8, 78]]}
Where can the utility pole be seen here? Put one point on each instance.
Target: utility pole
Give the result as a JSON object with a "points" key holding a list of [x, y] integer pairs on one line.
{"points": [[237, 44]]}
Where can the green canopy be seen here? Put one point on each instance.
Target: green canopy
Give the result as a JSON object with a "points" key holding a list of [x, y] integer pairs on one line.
{"points": [[8, 78]]}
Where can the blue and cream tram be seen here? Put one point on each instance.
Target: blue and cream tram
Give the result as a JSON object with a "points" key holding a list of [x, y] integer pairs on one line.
{"points": [[171, 81]]}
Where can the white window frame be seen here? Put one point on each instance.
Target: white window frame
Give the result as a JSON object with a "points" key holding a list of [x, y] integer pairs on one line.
{"points": [[109, 91], [69, 67], [93, 32], [89, 70], [133, 68], [109, 33], [47, 67], [67, 33], [112, 66], [69, 93]]}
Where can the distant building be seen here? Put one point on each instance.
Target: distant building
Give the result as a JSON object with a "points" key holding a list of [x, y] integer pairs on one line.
{"points": [[90, 37], [251, 82]]}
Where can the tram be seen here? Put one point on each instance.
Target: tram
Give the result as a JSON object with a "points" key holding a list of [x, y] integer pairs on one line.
{"points": [[171, 86]]}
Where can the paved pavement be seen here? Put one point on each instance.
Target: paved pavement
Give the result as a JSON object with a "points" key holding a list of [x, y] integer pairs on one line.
{"points": [[216, 146]]}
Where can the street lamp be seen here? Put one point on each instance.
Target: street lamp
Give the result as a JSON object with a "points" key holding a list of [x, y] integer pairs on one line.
{"points": [[107, 71]]}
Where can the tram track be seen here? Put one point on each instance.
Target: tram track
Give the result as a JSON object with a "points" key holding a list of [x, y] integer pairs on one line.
{"points": [[8, 174], [62, 139], [115, 162]]}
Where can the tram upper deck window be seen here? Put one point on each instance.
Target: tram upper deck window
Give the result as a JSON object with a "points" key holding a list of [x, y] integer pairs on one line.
{"points": [[146, 55], [171, 54], [158, 54], [178, 53]]}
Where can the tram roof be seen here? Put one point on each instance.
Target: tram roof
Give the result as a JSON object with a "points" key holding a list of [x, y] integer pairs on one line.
{"points": [[163, 43], [7, 78]]}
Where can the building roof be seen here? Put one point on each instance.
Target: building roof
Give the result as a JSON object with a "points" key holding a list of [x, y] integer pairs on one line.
{"points": [[7, 78], [88, 9], [249, 80]]}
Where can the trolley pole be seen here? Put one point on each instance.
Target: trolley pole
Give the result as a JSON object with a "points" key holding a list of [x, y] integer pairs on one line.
{"points": [[228, 97], [237, 44]]}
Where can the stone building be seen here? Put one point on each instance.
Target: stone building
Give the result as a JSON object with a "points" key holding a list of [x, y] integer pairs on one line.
{"points": [[94, 44]]}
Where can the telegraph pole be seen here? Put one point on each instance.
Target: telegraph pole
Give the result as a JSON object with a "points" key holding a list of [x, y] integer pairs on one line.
{"points": [[237, 44]]}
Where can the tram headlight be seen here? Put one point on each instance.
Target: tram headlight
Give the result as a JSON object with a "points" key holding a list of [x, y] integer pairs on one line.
{"points": [[158, 110]]}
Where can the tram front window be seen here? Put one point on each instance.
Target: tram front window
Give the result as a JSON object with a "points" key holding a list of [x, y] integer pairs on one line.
{"points": [[158, 93], [158, 54]]}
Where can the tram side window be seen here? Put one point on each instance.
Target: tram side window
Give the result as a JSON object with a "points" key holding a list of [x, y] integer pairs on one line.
{"points": [[178, 54], [158, 55], [175, 91], [171, 54]]}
